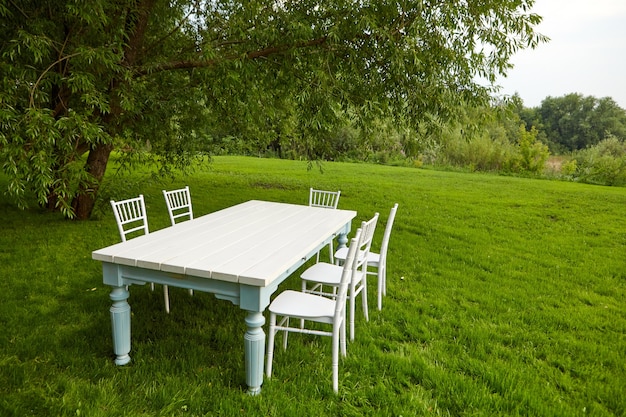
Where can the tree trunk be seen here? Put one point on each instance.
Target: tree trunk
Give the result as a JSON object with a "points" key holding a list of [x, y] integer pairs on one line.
{"points": [[98, 157], [96, 166]]}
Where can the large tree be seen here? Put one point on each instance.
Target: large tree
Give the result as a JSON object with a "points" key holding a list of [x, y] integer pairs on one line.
{"points": [[81, 79], [573, 122]]}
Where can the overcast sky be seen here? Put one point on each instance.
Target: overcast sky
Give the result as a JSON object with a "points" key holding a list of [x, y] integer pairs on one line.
{"points": [[586, 53]]}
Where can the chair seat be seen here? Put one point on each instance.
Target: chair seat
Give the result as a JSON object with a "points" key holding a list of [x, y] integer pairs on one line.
{"points": [[327, 274], [303, 305], [323, 272], [373, 259]]}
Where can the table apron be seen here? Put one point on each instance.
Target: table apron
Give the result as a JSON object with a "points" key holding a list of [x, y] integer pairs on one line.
{"points": [[121, 275]]}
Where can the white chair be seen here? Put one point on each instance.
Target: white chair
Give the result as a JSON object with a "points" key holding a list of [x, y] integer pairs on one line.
{"points": [[130, 216], [315, 308], [132, 219], [324, 199], [178, 207], [178, 204], [377, 260], [323, 274]]}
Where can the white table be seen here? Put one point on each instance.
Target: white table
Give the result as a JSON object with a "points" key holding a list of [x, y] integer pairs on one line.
{"points": [[240, 254]]}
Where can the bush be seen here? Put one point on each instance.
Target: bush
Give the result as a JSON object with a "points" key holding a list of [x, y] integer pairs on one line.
{"points": [[604, 163], [481, 153], [531, 155], [569, 168]]}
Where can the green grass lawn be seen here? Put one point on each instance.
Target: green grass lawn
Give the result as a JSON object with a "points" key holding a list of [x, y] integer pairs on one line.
{"points": [[506, 296]]}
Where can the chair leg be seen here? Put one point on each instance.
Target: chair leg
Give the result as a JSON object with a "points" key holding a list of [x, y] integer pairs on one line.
{"points": [[190, 291], [336, 360], [331, 254], [352, 309], [342, 337], [166, 297], [286, 332], [270, 345], [364, 298], [381, 288], [303, 290], [384, 275]]}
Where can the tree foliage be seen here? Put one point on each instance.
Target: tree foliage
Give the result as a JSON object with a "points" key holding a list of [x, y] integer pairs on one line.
{"points": [[575, 122], [603, 163], [532, 154], [152, 78]]}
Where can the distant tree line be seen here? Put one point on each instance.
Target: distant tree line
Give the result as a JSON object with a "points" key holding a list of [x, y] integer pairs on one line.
{"points": [[574, 122], [563, 124], [573, 138]]}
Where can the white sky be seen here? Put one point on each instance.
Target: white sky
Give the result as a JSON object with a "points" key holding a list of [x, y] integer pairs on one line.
{"points": [[586, 53]]}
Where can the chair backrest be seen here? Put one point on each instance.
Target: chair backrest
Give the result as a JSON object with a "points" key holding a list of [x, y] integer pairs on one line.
{"points": [[350, 267], [368, 228], [325, 199], [130, 216], [387, 234], [178, 204], [365, 243]]}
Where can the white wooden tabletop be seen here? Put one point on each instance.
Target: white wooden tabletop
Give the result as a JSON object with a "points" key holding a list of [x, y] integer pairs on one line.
{"points": [[250, 243]]}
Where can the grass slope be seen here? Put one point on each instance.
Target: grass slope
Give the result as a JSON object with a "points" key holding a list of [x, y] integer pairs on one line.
{"points": [[505, 297]]}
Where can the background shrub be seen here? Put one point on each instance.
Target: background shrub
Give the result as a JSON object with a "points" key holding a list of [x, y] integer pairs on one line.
{"points": [[604, 163], [530, 155]]}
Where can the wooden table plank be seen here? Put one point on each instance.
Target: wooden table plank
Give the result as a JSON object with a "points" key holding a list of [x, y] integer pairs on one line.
{"points": [[254, 241]]}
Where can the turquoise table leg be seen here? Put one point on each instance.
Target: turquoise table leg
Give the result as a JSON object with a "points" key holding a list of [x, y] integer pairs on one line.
{"points": [[342, 240], [254, 345], [120, 321]]}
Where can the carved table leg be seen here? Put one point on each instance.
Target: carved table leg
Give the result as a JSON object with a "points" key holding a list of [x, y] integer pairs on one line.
{"points": [[342, 240], [254, 345], [120, 321]]}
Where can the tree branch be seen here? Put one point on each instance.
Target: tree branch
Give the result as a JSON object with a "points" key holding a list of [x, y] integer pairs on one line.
{"points": [[36, 84], [18, 8], [137, 26], [261, 53]]}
